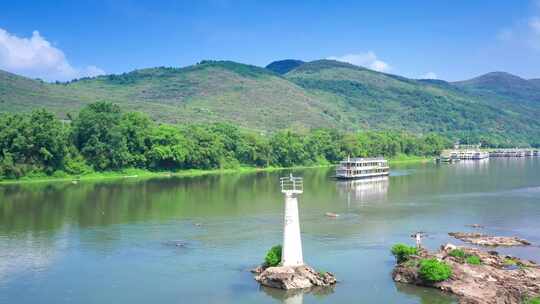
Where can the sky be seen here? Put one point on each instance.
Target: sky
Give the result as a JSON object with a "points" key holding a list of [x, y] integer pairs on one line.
{"points": [[450, 40]]}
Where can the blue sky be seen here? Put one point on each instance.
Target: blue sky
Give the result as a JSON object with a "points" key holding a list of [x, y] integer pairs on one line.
{"points": [[450, 40]]}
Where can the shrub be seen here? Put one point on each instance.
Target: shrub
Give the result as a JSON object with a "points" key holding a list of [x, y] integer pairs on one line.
{"points": [[473, 260], [433, 270], [273, 256], [532, 301], [457, 253], [402, 252]]}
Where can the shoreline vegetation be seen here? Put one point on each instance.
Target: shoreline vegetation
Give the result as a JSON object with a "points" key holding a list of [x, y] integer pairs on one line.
{"points": [[134, 173], [101, 142]]}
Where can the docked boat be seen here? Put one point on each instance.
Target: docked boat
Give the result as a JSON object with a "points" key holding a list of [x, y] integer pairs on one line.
{"points": [[353, 168]]}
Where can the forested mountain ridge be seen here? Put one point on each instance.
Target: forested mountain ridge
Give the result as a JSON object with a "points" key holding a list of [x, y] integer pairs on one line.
{"points": [[291, 93]]}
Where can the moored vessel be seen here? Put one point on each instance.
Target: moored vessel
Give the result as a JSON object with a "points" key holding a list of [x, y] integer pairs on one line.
{"points": [[359, 167]]}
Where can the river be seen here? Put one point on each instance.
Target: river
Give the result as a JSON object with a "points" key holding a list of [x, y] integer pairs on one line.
{"points": [[193, 240]]}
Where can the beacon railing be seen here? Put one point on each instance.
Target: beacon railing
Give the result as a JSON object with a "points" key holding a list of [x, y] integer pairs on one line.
{"points": [[291, 184]]}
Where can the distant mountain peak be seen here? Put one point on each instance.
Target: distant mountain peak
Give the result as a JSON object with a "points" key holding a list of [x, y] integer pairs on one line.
{"points": [[507, 85], [284, 66]]}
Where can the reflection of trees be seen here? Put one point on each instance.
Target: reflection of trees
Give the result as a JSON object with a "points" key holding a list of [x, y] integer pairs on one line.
{"points": [[42, 207], [426, 295]]}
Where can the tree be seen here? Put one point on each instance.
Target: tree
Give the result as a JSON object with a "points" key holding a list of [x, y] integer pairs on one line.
{"points": [[169, 148], [98, 135], [137, 128]]}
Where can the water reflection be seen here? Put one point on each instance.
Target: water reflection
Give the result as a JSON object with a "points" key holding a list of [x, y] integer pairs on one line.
{"points": [[364, 190], [425, 295], [174, 237], [296, 296], [475, 164]]}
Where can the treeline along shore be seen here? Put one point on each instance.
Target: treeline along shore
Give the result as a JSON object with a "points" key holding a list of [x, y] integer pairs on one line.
{"points": [[102, 138]]}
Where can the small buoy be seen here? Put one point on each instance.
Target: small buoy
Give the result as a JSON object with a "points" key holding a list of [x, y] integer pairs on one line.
{"points": [[331, 214]]}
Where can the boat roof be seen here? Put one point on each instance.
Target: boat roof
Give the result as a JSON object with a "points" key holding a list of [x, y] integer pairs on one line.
{"points": [[362, 159]]}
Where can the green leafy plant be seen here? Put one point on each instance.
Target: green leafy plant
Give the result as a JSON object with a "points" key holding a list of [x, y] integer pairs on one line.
{"points": [[457, 253], [473, 260], [433, 270], [535, 300], [273, 256], [402, 252]]}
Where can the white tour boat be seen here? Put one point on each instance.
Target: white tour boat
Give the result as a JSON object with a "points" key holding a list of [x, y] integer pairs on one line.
{"points": [[353, 168]]}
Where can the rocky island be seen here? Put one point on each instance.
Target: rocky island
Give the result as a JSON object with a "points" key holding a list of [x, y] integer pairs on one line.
{"points": [[299, 277], [488, 240], [473, 275]]}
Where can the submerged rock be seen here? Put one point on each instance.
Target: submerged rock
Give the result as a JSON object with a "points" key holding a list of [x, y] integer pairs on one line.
{"points": [[300, 277], [487, 240], [175, 243], [475, 226], [489, 282]]}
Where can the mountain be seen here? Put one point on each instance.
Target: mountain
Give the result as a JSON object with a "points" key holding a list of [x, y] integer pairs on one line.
{"points": [[383, 101], [535, 81], [284, 66], [504, 85], [322, 93], [246, 95]]}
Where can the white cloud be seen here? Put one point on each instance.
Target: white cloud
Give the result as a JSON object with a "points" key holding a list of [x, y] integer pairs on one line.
{"points": [[368, 60], [429, 75], [36, 57], [534, 24], [524, 33]]}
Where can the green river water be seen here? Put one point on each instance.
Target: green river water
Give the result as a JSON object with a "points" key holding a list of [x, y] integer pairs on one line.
{"points": [[116, 241]]}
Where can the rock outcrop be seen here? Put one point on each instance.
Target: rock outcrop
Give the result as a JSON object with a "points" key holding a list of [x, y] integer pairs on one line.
{"points": [[300, 277], [498, 279], [487, 240]]}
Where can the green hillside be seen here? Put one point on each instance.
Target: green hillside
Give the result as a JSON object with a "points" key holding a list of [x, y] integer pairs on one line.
{"points": [[381, 101], [284, 66], [503, 85], [321, 93], [211, 91]]}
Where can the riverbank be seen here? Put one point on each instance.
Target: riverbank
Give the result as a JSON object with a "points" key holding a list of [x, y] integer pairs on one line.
{"points": [[145, 174]]}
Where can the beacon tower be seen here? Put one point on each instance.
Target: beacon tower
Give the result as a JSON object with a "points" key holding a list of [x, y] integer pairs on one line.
{"points": [[291, 254]]}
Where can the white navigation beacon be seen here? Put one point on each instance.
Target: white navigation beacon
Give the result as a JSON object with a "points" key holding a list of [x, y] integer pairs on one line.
{"points": [[291, 254]]}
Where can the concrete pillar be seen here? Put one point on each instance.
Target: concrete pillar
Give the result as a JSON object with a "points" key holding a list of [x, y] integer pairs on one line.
{"points": [[291, 254]]}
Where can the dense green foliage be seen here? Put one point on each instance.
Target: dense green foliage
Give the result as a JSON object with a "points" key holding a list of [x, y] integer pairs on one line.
{"points": [[535, 300], [103, 138], [473, 260], [497, 109], [273, 256], [402, 252], [457, 253], [464, 257], [284, 66], [433, 270]]}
